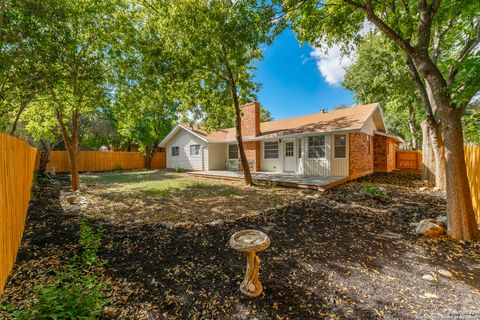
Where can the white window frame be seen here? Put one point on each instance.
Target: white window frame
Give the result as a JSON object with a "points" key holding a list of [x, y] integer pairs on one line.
{"points": [[171, 151], [324, 146], [228, 152], [278, 150], [335, 145], [196, 146]]}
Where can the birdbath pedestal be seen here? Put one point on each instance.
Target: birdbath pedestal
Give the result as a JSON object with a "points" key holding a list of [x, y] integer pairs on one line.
{"points": [[250, 242]]}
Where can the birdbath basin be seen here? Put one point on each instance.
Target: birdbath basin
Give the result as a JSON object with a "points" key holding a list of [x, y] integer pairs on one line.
{"points": [[250, 242]]}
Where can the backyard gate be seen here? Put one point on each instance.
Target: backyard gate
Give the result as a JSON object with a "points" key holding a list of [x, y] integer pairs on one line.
{"points": [[409, 160]]}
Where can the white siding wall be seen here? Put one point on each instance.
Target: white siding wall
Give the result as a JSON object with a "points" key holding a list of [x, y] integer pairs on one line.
{"points": [[318, 167], [272, 165], [369, 127], [184, 139], [314, 167], [217, 159]]}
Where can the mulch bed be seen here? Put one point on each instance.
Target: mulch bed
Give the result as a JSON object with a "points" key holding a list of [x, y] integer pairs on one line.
{"points": [[344, 254]]}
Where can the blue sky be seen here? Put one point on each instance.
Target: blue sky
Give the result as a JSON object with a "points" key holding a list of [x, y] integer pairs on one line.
{"points": [[300, 80]]}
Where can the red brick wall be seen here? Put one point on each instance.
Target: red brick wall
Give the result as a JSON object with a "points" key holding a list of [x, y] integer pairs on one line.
{"points": [[361, 160], [251, 119], [252, 151], [384, 153]]}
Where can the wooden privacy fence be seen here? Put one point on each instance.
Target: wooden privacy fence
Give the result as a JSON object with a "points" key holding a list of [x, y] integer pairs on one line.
{"points": [[412, 160], [17, 161], [472, 159], [103, 161], [409, 160]]}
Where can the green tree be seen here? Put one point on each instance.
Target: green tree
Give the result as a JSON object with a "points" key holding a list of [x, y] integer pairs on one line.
{"points": [[75, 44], [148, 123], [379, 74], [40, 125], [21, 77], [439, 40], [214, 45], [471, 123]]}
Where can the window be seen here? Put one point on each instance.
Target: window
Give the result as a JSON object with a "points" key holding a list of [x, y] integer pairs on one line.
{"points": [[340, 146], [299, 143], [195, 150], [316, 147], [232, 151], [289, 149], [175, 151], [270, 150], [368, 141]]}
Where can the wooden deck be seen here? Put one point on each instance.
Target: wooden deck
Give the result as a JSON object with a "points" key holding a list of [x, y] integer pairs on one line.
{"points": [[281, 179]]}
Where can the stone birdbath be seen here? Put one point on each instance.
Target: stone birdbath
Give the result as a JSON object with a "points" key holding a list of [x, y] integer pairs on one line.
{"points": [[250, 242]]}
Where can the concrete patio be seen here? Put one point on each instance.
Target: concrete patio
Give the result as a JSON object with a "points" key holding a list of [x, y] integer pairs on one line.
{"points": [[281, 179]]}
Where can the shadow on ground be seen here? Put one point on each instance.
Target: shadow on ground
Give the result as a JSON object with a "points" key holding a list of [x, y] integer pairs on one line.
{"points": [[343, 254]]}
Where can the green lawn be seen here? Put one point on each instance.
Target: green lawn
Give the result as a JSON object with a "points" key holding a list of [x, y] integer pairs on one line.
{"points": [[165, 196]]}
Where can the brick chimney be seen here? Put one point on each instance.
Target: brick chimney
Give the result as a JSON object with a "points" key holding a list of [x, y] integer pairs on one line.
{"points": [[251, 128], [251, 119]]}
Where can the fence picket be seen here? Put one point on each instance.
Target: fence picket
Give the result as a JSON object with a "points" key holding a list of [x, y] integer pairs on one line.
{"points": [[17, 160]]}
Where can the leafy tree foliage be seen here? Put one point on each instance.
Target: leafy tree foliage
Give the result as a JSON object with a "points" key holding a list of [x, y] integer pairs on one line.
{"points": [[214, 45], [379, 74], [471, 122], [440, 41]]}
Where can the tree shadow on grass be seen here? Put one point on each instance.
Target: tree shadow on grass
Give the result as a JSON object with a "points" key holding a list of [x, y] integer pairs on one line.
{"points": [[326, 258]]}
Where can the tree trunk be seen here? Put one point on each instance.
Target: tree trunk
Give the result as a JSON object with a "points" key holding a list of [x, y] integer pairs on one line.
{"points": [[439, 156], [412, 125], [460, 215], [243, 157], [75, 176], [434, 132], [44, 157], [238, 125], [71, 145], [428, 159], [148, 157]]}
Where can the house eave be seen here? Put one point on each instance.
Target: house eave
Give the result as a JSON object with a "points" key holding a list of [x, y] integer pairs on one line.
{"points": [[287, 136], [175, 130], [388, 135]]}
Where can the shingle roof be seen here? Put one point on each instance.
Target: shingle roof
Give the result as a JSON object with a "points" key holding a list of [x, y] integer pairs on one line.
{"points": [[342, 119]]}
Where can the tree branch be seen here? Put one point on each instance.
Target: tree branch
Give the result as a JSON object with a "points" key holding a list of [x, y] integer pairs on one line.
{"points": [[468, 47], [380, 24]]}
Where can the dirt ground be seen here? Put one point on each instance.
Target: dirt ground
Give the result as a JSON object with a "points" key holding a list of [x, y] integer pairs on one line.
{"points": [[343, 254]]}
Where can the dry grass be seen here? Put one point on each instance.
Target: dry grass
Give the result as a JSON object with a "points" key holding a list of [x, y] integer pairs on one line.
{"points": [[164, 196]]}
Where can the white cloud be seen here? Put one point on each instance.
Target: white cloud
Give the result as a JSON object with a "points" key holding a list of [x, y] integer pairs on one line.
{"points": [[331, 63]]}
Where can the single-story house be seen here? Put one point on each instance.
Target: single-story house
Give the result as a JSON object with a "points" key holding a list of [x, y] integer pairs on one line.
{"points": [[349, 142]]}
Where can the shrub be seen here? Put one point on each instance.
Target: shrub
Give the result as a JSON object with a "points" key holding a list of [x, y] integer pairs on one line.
{"points": [[374, 191], [273, 185], [78, 291], [118, 168], [179, 169]]}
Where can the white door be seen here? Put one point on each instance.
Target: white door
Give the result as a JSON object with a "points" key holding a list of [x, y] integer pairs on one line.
{"points": [[289, 159], [205, 158]]}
